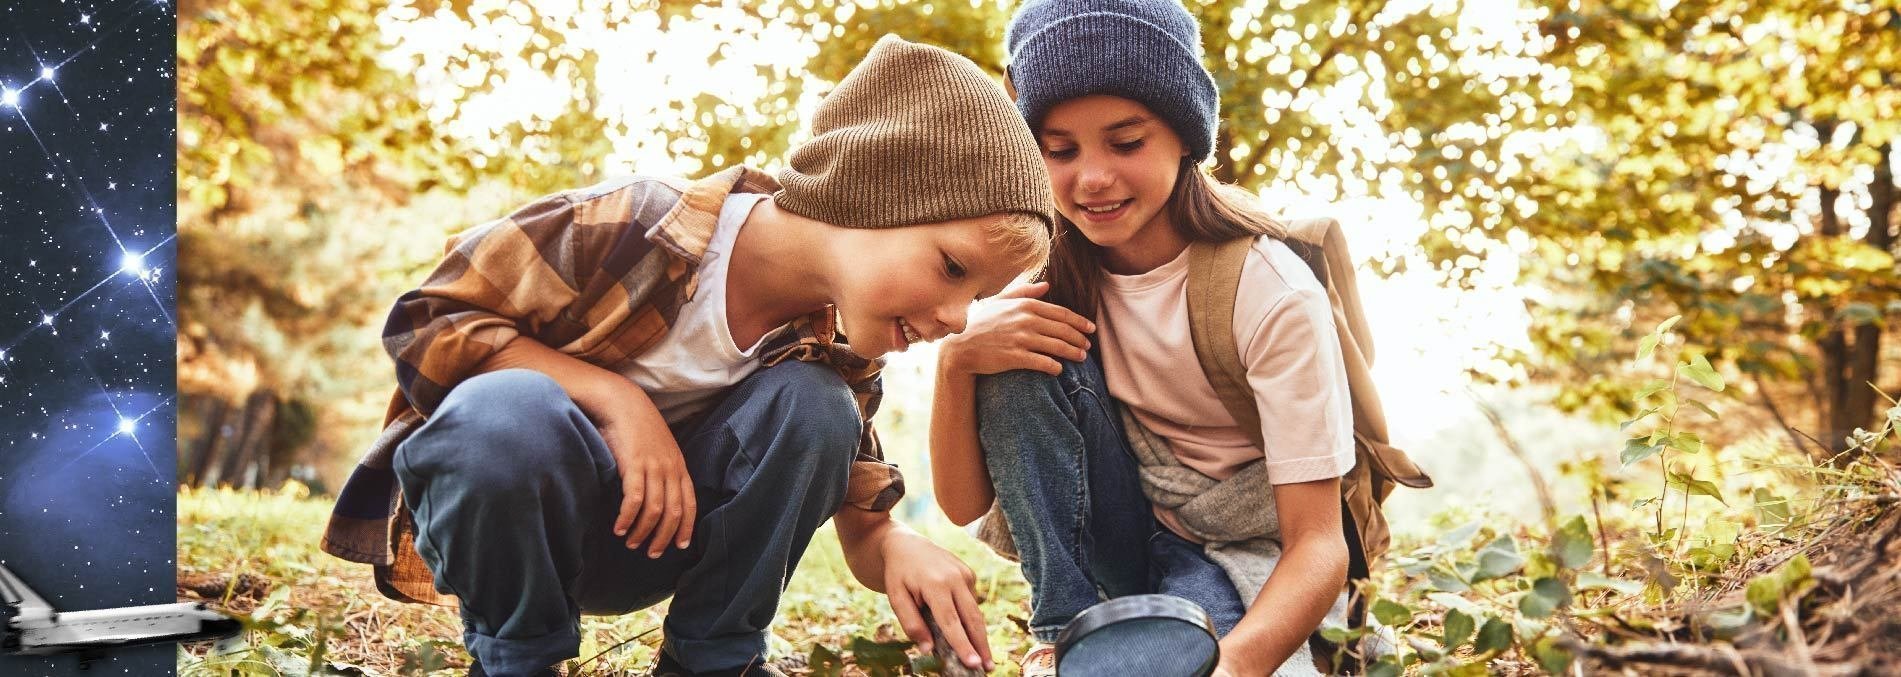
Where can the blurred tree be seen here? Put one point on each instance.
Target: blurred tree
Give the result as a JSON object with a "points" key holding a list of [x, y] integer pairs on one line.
{"points": [[1728, 160], [300, 148]]}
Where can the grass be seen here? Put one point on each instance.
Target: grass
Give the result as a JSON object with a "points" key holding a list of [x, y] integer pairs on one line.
{"points": [[310, 613]]}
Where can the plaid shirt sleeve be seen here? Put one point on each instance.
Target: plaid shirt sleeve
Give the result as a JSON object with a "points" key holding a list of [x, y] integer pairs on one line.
{"points": [[525, 273]]}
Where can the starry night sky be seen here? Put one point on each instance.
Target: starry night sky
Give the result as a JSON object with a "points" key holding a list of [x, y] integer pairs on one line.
{"points": [[87, 242]]}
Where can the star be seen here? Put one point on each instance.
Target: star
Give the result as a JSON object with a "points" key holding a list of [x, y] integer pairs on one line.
{"points": [[85, 505]]}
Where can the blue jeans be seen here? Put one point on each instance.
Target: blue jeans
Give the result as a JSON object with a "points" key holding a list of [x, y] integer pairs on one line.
{"points": [[515, 493], [1068, 484]]}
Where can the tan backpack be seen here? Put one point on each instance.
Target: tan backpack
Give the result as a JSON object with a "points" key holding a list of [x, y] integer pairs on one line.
{"points": [[1214, 275]]}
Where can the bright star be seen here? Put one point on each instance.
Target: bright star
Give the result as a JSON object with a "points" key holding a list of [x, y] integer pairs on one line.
{"points": [[85, 18], [132, 263], [46, 320], [46, 73], [126, 425], [10, 97]]}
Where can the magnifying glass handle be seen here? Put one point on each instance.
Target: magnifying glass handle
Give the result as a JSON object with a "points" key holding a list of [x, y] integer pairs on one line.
{"points": [[949, 665]]}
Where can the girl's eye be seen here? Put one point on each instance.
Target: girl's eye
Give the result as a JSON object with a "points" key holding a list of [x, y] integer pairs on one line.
{"points": [[1060, 153], [951, 268], [1129, 146]]}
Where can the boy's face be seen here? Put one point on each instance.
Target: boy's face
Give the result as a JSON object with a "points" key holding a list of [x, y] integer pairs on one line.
{"points": [[899, 286]]}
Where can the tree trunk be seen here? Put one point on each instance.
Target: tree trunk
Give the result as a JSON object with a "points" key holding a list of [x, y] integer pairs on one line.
{"points": [[212, 414], [237, 461], [1865, 356], [213, 447], [1834, 348]]}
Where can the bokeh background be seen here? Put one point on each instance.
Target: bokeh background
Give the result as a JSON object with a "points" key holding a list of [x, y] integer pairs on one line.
{"points": [[1532, 187]]}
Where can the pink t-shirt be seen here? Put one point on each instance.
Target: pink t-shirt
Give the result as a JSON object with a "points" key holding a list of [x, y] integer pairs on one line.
{"points": [[1283, 326]]}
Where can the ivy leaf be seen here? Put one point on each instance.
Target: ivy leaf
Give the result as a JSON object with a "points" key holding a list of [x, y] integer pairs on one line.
{"points": [[1645, 345], [1553, 658], [1695, 487], [1686, 441], [1495, 635], [1772, 511], [1392, 614], [1447, 581], [1591, 580], [880, 659], [1386, 666], [1451, 601], [1498, 558], [1665, 325], [1547, 595], [825, 662], [1459, 535], [1789, 581], [1458, 628], [1706, 410], [1637, 449], [1572, 544], [1698, 369]]}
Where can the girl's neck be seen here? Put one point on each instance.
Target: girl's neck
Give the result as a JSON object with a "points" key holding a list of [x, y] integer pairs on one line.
{"points": [[1155, 243], [777, 272]]}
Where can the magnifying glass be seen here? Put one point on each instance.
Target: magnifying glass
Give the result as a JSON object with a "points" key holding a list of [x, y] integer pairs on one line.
{"points": [[1152, 635]]}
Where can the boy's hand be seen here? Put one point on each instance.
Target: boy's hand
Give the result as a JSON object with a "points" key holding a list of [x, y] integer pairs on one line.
{"points": [[1018, 330], [657, 496], [921, 578]]}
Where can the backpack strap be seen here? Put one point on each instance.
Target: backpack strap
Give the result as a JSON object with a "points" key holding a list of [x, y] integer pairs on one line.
{"points": [[1214, 275]]}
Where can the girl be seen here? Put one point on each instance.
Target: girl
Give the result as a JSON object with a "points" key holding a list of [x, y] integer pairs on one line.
{"points": [[1125, 114]]}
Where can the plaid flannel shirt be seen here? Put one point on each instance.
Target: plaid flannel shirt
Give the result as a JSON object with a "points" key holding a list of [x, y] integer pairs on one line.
{"points": [[599, 274]]}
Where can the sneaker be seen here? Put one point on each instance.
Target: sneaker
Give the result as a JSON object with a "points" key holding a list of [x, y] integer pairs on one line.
{"points": [[1040, 661]]}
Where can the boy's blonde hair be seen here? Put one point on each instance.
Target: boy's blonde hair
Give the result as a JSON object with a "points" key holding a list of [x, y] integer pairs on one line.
{"points": [[1025, 237]]}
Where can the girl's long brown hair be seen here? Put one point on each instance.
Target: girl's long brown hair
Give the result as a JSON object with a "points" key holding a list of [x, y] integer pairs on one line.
{"points": [[1201, 209]]}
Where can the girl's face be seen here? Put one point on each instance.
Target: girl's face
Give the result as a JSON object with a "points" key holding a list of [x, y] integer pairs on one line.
{"points": [[1113, 164]]}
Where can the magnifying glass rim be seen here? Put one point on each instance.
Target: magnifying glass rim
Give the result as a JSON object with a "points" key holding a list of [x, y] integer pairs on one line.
{"points": [[1136, 607]]}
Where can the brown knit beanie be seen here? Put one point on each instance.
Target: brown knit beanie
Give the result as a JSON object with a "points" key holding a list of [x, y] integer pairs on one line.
{"points": [[913, 135]]}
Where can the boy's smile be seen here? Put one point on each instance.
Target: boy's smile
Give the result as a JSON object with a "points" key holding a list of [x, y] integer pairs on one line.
{"points": [[891, 287], [895, 287]]}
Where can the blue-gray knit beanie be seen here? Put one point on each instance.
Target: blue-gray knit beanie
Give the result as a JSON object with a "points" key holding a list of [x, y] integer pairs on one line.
{"points": [[1144, 50]]}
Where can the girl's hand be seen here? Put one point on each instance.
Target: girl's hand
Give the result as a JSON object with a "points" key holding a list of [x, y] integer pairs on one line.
{"points": [[1017, 330], [922, 578]]}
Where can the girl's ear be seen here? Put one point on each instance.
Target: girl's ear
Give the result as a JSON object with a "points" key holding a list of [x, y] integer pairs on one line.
{"points": [[1008, 86]]}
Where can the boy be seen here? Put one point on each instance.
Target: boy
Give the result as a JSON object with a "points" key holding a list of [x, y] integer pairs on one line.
{"points": [[643, 388]]}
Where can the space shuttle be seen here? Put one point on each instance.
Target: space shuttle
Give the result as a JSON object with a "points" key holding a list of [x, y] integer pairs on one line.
{"points": [[30, 627]]}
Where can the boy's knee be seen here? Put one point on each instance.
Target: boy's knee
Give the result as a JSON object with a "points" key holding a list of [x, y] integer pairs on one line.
{"points": [[813, 396], [809, 405], [495, 431]]}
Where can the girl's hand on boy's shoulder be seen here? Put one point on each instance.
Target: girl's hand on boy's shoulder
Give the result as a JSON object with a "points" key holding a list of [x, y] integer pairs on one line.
{"points": [[1017, 330], [922, 578]]}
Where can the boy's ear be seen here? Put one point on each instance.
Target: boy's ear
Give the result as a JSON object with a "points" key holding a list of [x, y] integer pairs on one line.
{"points": [[1008, 86]]}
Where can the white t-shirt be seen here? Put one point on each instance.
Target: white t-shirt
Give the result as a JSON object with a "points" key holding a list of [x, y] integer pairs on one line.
{"points": [[1283, 326], [696, 359]]}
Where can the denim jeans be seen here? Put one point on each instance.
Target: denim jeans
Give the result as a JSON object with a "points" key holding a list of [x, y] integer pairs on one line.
{"points": [[515, 493], [1068, 484]]}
